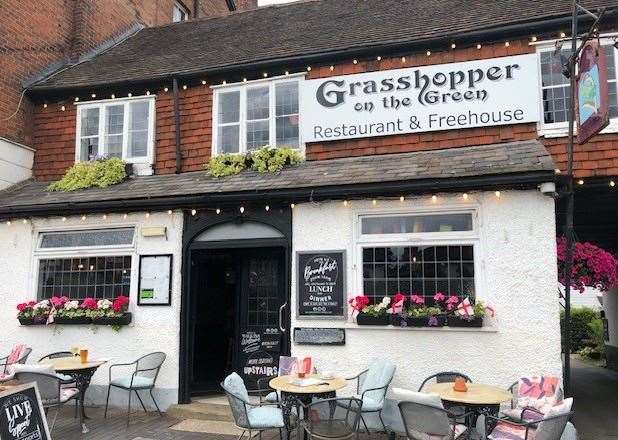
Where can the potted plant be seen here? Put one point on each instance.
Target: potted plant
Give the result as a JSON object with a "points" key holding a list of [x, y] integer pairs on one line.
{"points": [[71, 313], [397, 311], [114, 313], [375, 314], [467, 314], [25, 312], [41, 311]]}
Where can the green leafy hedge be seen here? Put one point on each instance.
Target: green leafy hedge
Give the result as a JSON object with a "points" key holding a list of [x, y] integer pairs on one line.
{"points": [[581, 332], [100, 173], [264, 160]]}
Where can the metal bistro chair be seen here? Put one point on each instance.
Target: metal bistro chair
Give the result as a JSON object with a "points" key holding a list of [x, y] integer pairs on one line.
{"points": [[57, 355], [54, 392], [550, 427], [426, 418], [444, 376], [371, 387], [19, 355], [247, 416], [68, 382], [144, 377], [336, 418]]}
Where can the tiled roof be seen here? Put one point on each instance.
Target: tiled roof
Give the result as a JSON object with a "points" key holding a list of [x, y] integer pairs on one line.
{"points": [[300, 29], [444, 166]]}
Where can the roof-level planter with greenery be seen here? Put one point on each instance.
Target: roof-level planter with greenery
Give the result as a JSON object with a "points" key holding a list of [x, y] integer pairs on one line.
{"points": [[264, 160], [96, 173]]}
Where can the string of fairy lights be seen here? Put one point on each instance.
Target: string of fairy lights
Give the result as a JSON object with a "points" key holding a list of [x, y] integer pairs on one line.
{"points": [[194, 212]]}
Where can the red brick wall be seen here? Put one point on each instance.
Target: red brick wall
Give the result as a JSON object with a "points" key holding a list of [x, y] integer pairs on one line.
{"points": [[33, 37], [55, 129]]}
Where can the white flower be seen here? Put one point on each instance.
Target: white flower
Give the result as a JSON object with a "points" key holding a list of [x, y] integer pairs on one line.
{"points": [[386, 300], [71, 305], [42, 304], [104, 304]]}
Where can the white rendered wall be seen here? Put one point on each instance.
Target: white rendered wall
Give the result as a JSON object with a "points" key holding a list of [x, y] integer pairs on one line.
{"points": [[15, 163], [154, 328], [516, 273]]}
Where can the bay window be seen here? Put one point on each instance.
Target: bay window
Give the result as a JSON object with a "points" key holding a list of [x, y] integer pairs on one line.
{"points": [[555, 88], [418, 253], [116, 128], [85, 263], [250, 116]]}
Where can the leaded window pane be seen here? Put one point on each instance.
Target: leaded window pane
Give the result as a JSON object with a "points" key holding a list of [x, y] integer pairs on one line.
{"points": [[81, 277], [420, 270], [229, 107]]}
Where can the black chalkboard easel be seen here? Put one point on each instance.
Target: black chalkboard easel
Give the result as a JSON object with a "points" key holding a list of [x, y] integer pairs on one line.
{"points": [[22, 415]]}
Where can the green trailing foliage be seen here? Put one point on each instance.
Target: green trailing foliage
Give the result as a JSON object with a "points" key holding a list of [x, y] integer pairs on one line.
{"points": [[264, 160], [97, 173]]}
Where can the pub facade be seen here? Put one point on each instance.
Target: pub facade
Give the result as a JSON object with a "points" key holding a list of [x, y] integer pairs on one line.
{"points": [[431, 158]]}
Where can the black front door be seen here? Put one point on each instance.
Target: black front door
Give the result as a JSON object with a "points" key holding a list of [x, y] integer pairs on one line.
{"points": [[236, 315]]}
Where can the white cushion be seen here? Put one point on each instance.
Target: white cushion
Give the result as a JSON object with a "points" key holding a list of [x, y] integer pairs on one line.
{"points": [[272, 397], [558, 410], [235, 385], [139, 382], [265, 417], [404, 395], [33, 368], [68, 393]]}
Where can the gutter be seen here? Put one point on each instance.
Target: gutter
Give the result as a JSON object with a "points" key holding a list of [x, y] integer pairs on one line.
{"points": [[526, 180], [399, 47]]}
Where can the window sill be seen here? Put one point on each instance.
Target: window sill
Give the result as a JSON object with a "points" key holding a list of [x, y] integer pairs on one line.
{"points": [[446, 329], [563, 130]]}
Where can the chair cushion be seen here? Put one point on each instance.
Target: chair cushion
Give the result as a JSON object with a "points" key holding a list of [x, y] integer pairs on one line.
{"points": [[68, 393], [515, 414], [235, 385], [508, 431], [139, 382], [458, 429], [265, 417], [404, 395], [379, 374], [538, 392], [272, 397]]}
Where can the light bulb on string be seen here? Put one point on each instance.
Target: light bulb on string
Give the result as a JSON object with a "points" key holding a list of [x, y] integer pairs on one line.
{"points": [[465, 196], [612, 183], [434, 198], [507, 44], [124, 216], [45, 105], [242, 209], [401, 198], [83, 217], [292, 205], [147, 214], [308, 68], [64, 219], [497, 193], [193, 212], [453, 45], [169, 211], [24, 221], [403, 59], [345, 203], [77, 99], [203, 82], [8, 222], [166, 89], [580, 182], [379, 58], [478, 46], [374, 202], [184, 87], [104, 216], [129, 94], [533, 39], [113, 96], [354, 61], [267, 208], [428, 53]]}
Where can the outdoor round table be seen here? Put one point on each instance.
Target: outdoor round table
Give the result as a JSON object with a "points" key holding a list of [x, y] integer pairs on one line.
{"points": [[480, 398], [290, 394], [80, 372]]}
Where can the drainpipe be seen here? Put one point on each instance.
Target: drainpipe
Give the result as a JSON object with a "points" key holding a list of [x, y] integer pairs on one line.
{"points": [[177, 125]]}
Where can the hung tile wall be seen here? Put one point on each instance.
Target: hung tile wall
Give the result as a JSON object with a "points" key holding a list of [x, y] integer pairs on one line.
{"points": [[55, 130]]}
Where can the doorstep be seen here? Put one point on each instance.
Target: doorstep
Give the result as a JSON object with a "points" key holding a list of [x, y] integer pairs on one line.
{"points": [[212, 408]]}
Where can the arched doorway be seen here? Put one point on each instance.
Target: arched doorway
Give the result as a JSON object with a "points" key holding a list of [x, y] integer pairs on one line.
{"points": [[235, 299]]}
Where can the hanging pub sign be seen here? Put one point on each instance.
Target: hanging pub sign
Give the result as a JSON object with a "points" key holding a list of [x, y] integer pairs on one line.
{"points": [[591, 91], [21, 414], [321, 283], [480, 93]]}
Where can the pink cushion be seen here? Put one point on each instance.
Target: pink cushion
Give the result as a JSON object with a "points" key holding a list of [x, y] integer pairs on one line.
{"points": [[538, 392], [67, 393], [508, 431], [13, 357]]}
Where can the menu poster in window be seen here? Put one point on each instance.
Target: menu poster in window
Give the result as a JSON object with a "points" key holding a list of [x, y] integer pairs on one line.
{"points": [[22, 415], [155, 280], [321, 283]]}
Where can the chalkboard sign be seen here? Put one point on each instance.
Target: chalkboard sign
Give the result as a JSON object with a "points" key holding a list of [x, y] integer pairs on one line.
{"points": [[321, 283], [319, 336], [259, 354], [21, 414]]}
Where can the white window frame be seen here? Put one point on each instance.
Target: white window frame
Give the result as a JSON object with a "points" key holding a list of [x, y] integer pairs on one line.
{"points": [[242, 88], [102, 105], [83, 251], [560, 129], [455, 238], [182, 9]]}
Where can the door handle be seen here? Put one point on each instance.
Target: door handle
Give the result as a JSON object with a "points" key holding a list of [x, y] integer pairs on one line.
{"points": [[280, 320]]}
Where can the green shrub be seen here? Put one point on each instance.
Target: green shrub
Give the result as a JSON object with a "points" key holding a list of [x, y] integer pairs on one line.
{"points": [[597, 336], [264, 160], [581, 332], [227, 164], [272, 159], [82, 175]]}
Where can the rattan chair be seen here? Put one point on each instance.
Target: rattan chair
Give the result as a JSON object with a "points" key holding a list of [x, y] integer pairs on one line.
{"points": [[328, 419], [54, 393], [144, 377]]}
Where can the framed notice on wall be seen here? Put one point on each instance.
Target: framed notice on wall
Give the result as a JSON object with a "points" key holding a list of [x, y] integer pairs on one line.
{"points": [[21, 414], [155, 280], [321, 283]]}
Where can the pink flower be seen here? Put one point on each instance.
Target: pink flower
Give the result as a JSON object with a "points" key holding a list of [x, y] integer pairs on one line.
{"points": [[359, 302], [592, 266], [23, 306], [416, 299], [59, 301], [89, 303], [439, 297], [451, 302], [120, 304]]}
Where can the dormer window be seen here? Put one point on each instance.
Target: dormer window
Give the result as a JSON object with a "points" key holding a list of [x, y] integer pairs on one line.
{"points": [[121, 128]]}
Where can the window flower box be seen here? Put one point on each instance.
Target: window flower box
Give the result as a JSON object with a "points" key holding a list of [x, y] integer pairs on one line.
{"points": [[365, 319], [78, 320], [455, 321], [26, 321], [124, 319]]}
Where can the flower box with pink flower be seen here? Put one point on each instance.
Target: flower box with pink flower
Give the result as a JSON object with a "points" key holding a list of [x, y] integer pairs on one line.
{"points": [[64, 311]]}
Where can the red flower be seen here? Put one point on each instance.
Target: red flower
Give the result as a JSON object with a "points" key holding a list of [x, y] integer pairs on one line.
{"points": [[120, 304], [359, 302], [89, 303], [22, 306], [59, 301], [398, 298]]}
